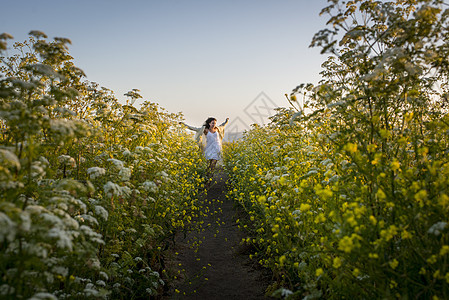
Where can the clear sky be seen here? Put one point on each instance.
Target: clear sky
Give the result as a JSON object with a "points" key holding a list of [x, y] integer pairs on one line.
{"points": [[202, 58]]}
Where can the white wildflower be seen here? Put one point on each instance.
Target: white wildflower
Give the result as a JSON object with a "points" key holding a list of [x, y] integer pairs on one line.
{"points": [[5, 289], [100, 283], [25, 225], [87, 218], [95, 237], [138, 149], [125, 191], [111, 189], [9, 159], [104, 275], [63, 239], [63, 271], [43, 296], [63, 127], [35, 209], [7, 228], [102, 212], [126, 152], [117, 163], [95, 172], [71, 222], [437, 228], [90, 290], [37, 171], [150, 186], [67, 160], [125, 174], [150, 292]]}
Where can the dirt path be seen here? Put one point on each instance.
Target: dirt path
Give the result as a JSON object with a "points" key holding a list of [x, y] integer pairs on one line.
{"points": [[212, 263]]}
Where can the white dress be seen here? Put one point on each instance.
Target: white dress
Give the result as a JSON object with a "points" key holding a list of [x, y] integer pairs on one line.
{"points": [[213, 146]]}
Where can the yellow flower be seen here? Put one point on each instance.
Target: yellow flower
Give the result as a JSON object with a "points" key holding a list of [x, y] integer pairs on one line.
{"points": [[351, 220], [420, 197], [304, 207], [319, 272], [371, 147], [432, 259], [373, 220], [380, 194], [405, 234], [384, 133], [351, 148], [393, 264], [444, 250], [436, 274], [356, 272], [443, 200], [282, 260], [377, 158], [337, 262], [395, 165], [346, 244], [393, 284], [320, 218]]}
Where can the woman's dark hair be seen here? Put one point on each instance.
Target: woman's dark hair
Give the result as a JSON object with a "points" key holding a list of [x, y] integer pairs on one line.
{"points": [[207, 123]]}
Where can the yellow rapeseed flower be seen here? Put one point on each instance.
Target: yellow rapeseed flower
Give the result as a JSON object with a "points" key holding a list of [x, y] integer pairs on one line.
{"points": [[443, 200], [282, 260], [395, 165], [304, 207], [420, 197], [346, 244], [432, 259], [337, 262], [320, 218], [319, 272], [393, 264], [380, 194], [405, 234], [351, 147], [371, 147], [444, 250]]}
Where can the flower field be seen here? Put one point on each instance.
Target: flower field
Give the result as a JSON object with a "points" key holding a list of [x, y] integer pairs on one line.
{"points": [[92, 191], [347, 191]]}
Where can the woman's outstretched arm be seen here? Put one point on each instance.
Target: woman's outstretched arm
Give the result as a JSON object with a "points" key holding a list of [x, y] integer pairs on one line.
{"points": [[224, 123], [190, 127]]}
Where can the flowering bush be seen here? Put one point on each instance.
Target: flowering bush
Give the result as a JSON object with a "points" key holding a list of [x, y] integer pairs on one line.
{"points": [[92, 191], [348, 195]]}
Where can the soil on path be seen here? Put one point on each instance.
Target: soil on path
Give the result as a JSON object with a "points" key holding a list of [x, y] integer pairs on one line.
{"points": [[212, 262]]}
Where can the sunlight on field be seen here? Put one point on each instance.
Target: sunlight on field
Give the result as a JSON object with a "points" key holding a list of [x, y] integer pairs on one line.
{"points": [[345, 192]]}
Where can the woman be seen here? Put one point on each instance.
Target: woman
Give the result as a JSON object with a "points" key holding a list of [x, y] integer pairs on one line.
{"points": [[209, 137]]}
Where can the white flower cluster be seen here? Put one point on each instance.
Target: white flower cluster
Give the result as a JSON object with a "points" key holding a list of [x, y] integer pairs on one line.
{"points": [[67, 160], [150, 186], [95, 172]]}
